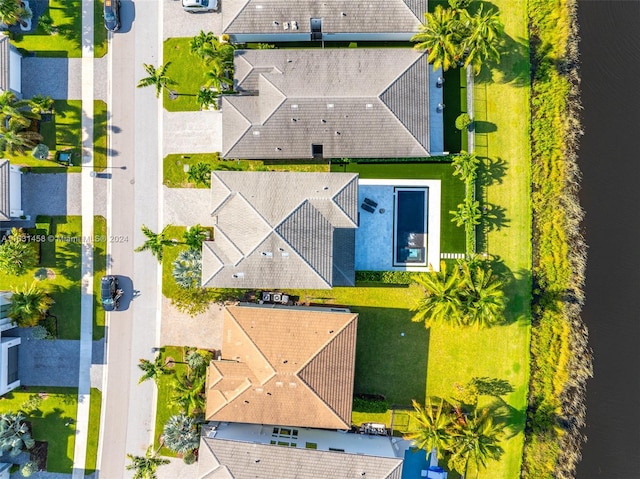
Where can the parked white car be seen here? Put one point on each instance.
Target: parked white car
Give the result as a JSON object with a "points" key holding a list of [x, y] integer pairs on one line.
{"points": [[195, 6]]}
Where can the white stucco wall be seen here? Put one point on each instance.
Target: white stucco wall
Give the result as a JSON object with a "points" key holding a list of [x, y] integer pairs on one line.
{"points": [[15, 72], [15, 192]]}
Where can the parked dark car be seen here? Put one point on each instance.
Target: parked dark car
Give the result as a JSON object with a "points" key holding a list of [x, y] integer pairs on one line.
{"points": [[110, 293], [112, 15]]}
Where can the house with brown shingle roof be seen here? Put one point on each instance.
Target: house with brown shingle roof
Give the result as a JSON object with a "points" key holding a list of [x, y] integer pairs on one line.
{"points": [[281, 230], [284, 365], [333, 103], [328, 20]]}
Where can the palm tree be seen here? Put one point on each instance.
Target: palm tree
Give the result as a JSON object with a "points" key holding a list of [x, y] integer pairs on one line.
{"points": [[217, 79], [15, 139], [194, 237], [10, 11], [29, 305], [484, 39], [441, 301], [153, 370], [180, 434], [198, 43], [200, 174], [14, 434], [468, 213], [465, 165], [198, 361], [187, 269], [16, 255], [475, 439], [145, 467], [155, 242], [483, 298], [434, 422], [188, 392], [157, 77], [20, 111], [439, 35], [206, 96]]}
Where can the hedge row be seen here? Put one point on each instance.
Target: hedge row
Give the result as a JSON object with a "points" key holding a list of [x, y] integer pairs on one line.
{"points": [[428, 159], [386, 277]]}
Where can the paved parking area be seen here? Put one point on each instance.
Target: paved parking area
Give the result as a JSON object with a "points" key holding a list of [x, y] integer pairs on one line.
{"points": [[180, 329], [192, 132], [178, 23]]}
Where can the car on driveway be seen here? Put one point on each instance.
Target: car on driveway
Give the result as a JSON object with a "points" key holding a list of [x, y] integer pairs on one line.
{"points": [[196, 6], [112, 15], [110, 293]]}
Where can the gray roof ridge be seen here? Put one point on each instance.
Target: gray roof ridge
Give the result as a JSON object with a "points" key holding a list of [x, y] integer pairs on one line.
{"points": [[246, 5], [221, 232], [249, 123], [418, 16], [226, 198], [239, 80], [293, 211], [333, 198], [283, 98], [215, 273], [272, 228]]}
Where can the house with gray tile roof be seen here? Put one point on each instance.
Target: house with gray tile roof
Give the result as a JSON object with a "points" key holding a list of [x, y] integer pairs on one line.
{"points": [[328, 20], [10, 191], [10, 67], [247, 451], [281, 230], [333, 103]]}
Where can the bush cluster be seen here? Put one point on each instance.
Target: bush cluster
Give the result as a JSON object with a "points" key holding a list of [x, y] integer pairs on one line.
{"points": [[560, 356], [386, 277], [370, 405], [427, 159]]}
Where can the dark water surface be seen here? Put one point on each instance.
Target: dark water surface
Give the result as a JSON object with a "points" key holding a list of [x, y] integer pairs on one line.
{"points": [[610, 163]]}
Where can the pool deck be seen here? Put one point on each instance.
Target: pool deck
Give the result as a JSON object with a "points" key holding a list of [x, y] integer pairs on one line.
{"points": [[374, 236]]}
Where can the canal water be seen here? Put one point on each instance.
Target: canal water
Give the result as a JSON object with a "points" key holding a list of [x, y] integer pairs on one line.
{"points": [[610, 163]]}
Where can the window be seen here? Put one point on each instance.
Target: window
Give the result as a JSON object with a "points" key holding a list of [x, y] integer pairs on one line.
{"points": [[316, 150], [311, 445]]}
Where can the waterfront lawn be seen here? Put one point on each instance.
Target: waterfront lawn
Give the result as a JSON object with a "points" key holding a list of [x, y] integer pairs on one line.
{"points": [[67, 43], [451, 236], [176, 177], [58, 407], [164, 407], [186, 70]]}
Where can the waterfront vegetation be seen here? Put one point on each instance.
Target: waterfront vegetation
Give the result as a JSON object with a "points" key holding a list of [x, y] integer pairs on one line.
{"points": [[561, 359]]}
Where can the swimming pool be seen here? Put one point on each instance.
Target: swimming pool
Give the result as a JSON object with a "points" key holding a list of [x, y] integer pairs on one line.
{"points": [[410, 226]]}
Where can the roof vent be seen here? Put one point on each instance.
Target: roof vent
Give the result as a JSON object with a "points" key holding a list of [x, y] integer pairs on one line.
{"points": [[275, 23], [323, 121], [329, 105], [268, 254], [278, 148], [337, 132], [238, 275], [285, 254], [258, 7], [325, 188], [292, 385], [280, 249], [294, 25], [369, 105], [294, 119], [331, 331], [343, 14], [279, 384], [285, 26], [294, 106]]}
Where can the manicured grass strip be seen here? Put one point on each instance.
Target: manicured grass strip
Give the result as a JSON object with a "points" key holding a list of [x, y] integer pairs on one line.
{"points": [[100, 44], [185, 69], [169, 287], [94, 431], [49, 422], [99, 270], [61, 134], [67, 17], [176, 177], [165, 409], [99, 135], [451, 236]]}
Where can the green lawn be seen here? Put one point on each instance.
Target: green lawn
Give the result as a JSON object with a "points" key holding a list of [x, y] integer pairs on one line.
{"points": [[67, 16], [452, 236], [61, 134], [186, 70], [164, 409], [99, 270], [175, 176], [48, 422], [99, 135], [94, 431], [100, 44], [169, 286]]}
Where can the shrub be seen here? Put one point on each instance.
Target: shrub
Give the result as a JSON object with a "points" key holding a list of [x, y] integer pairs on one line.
{"points": [[189, 458], [463, 121], [28, 468], [40, 151], [385, 277], [180, 434], [39, 332], [370, 405]]}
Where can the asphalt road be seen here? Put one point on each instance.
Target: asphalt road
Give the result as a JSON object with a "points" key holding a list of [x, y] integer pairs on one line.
{"points": [[128, 408]]}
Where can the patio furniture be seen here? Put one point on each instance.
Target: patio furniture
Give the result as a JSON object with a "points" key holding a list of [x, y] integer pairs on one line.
{"points": [[368, 208], [64, 157], [371, 203]]}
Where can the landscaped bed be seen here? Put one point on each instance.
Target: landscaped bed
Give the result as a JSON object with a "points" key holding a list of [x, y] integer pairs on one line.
{"points": [[53, 421], [176, 177], [165, 408]]}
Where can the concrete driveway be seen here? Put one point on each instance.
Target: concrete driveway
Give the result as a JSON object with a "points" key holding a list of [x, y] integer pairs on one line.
{"points": [[192, 132], [178, 23], [48, 362], [180, 329]]}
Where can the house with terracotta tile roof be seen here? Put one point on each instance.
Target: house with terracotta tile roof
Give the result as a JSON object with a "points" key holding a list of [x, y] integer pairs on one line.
{"points": [[333, 103], [328, 20], [290, 366], [281, 230]]}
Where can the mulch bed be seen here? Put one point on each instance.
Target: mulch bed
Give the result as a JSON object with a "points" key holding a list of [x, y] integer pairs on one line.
{"points": [[39, 455]]}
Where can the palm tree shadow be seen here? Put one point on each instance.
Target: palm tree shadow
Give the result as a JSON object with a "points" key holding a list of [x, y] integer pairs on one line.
{"points": [[494, 217], [512, 419], [491, 171], [516, 286]]}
